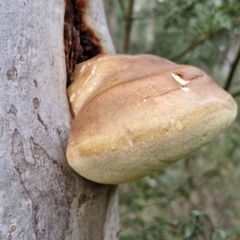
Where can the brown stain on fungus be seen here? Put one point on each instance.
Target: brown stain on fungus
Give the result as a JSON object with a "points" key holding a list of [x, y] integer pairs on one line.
{"points": [[80, 41]]}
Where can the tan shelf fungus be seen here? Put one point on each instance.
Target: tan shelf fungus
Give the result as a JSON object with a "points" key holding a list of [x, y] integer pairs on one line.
{"points": [[134, 115]]}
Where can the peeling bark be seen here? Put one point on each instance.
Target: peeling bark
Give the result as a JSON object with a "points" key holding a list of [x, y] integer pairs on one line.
{"points": [[40, 196]]}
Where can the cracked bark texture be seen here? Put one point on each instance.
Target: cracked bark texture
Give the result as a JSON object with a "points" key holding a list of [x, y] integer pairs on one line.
{"points": [[40, 196]]}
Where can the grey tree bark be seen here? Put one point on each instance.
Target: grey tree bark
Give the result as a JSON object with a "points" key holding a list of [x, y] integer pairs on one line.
{"points": [[40, 196]]}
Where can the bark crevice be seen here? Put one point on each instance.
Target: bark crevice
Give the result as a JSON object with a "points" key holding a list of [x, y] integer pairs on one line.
{"points": [[80, 41]]}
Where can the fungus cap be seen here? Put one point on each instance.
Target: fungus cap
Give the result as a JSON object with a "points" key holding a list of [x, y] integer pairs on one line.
{"points": [[134, 115]]}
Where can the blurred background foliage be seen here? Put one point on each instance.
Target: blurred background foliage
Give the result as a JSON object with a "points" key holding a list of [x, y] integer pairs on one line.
{"points": [[198, 197]]}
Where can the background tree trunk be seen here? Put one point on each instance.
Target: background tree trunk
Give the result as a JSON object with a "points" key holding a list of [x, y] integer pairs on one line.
{"points": [[40, 196]]}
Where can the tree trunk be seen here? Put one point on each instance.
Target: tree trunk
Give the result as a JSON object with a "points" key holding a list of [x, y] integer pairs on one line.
{"points": [[40, 196]]}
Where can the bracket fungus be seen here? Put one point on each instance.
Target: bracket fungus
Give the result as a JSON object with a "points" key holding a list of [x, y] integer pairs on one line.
{"points": [[134, 115]]}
